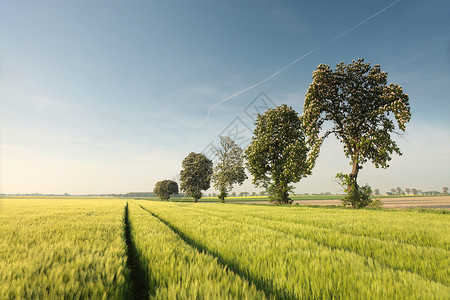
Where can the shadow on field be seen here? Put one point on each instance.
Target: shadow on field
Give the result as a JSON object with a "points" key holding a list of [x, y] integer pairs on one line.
{"points": [[264, 285], [140, 288]]}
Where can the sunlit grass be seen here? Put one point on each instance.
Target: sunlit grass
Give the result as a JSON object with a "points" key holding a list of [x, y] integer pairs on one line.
{"points": [[72, 248], [323, 253], [177, 270], [62, 249]]}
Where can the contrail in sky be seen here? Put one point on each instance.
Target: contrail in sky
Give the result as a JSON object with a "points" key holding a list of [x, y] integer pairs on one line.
{"points": [[293, 63]]}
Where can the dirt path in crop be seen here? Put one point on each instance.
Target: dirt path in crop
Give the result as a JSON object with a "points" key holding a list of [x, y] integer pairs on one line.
{"points": [[435, 202]]}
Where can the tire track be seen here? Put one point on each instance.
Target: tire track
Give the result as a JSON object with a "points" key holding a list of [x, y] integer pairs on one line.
{"points": [[138, 276], [337, 230], [266, 286], [218, 214]]}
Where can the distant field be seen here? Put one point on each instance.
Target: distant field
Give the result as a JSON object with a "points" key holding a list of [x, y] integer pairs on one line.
{"points": [[293, 197], [108, 248], [392, 201]]}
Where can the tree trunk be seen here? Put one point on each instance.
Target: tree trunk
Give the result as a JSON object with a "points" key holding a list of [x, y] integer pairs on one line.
{"points": [[355, 170], [222, 195], [284, 194], [353, 187]]}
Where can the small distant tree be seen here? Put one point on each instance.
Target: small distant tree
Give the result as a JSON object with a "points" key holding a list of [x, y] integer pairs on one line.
{"points": [[277, 153], [408, 191], [393, 191], [414, 191], [253, 193], [400, 191], [230, 167], [445, 190], [262, 193], [376, 192], [163, 189], [357, 101], [196, 174], [233, 194]]}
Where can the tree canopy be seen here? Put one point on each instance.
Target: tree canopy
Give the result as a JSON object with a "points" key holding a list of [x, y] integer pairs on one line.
{"points": [[196, 175], [230, 167], [277, 155], [360, 109], [163, 189]]}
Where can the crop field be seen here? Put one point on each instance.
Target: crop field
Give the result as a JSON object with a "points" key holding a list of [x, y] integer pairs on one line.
{"points": [[62, 249], [119, 249]]}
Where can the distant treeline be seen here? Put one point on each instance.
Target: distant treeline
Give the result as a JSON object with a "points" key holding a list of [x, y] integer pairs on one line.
{"points": [[127, 195]]}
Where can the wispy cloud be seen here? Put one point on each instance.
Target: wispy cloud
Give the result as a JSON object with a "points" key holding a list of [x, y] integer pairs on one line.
{"points": [[292, 63]]}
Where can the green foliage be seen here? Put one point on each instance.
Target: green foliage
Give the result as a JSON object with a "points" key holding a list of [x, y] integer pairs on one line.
{"points": [[357, 196], [196, 175], [356, 99], [276, 156], [375, 203], [230, 167], [222, 195], [320, 253], [163, 189]]}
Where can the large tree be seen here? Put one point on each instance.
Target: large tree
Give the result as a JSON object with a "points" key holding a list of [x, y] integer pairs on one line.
{"points": [[230, 167], [163, 189], [277, 154], [196, 174], [360, 109]]}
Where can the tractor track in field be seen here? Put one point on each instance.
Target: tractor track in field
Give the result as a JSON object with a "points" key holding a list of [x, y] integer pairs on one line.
{"points": [[332, 247], [263, 285], [138, 276], [340, 231]]}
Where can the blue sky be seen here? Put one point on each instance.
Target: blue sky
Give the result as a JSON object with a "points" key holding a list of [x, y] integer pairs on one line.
{"points": [[110, 96]]}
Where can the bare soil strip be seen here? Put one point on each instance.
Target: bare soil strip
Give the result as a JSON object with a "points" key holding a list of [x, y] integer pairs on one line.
{"points": [[434, 202]]}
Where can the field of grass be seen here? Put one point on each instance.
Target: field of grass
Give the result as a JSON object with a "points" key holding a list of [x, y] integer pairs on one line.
{"points": [[175, 270], [119, 249], [292, 252], [62, 248]]}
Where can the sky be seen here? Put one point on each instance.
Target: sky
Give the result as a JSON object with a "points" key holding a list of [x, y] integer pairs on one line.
{"points": [[110, 96]]}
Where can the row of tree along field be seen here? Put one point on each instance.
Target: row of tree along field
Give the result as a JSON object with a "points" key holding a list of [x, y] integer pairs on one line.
{"points": [[354, 103], [398, 191], [376, 192]]}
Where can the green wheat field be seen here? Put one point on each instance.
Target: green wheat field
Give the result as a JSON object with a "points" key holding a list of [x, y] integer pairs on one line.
{"points": [[104, 248]]}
